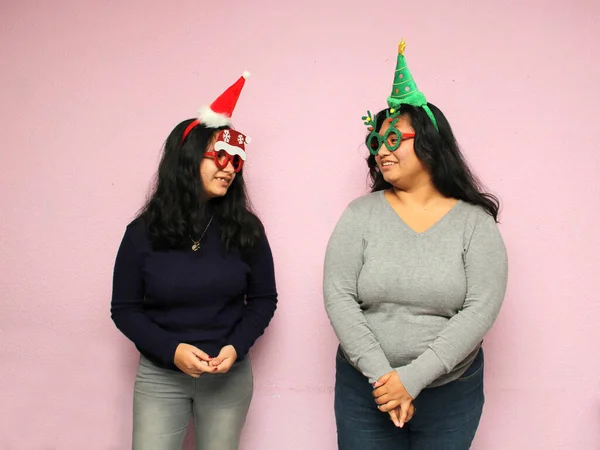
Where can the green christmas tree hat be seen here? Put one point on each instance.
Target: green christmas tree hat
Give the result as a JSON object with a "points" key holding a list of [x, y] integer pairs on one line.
{"points": [[405, 90]]}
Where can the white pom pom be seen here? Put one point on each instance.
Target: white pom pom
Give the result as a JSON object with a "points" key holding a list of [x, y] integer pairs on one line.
{"points": [[248, 140], [246, 75]]}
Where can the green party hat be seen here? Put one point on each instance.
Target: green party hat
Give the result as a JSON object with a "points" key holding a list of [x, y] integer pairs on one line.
{"points": [[405, 90]]}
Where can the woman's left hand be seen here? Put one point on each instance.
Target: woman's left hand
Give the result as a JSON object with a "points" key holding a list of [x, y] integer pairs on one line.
{"points": [[223, 362], [390, 394], [396, 415]]}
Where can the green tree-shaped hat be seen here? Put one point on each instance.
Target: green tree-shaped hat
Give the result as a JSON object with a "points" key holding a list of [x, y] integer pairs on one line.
{"points": [[404, 90]]}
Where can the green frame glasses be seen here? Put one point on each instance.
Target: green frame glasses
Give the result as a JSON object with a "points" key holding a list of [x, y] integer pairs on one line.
{"points": [[392, 138]]}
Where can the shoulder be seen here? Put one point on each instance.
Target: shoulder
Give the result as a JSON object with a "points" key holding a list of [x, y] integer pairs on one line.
{"points": [[260, 252], [137, 233], [365, 205], [358, 214], [254, 236], [255, 222], [136, 227], [474, 215], [477, 224]]}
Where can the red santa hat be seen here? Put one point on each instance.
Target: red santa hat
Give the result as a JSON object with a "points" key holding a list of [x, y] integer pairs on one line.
{"points": [[218, 114]]}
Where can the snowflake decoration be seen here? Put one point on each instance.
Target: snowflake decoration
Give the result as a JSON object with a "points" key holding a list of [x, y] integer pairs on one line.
{"points": [[240, 139], [226, 136]]}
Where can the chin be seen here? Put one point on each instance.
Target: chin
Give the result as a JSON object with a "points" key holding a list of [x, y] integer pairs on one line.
{"points": [[390, 180], [219, 193]]}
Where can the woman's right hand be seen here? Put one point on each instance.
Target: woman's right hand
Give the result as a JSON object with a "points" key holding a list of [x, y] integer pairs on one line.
{"points": [[191, 360]]}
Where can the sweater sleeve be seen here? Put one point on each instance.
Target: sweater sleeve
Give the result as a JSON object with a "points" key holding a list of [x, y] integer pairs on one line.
{"points": [[343, 264], [486, 271], [127, 305], [261, 299]]}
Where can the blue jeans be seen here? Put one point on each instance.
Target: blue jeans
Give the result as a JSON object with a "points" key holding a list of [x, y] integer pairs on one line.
{"points": [[446, 417]]}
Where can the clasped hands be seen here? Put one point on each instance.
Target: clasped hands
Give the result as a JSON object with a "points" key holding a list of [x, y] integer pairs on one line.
{"points": [[389, 392], [194, 362], [392, 397]]}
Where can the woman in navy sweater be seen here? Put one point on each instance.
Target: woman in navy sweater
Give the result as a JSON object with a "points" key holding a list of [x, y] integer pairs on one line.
{"points": [[194, 287]]}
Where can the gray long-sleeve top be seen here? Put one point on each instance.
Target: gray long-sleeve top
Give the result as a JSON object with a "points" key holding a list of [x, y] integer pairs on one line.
{"points": [[417, 303]]}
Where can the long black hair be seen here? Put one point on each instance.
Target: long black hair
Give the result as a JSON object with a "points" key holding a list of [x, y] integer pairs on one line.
{"points": [[178, 207], [439, 153]]}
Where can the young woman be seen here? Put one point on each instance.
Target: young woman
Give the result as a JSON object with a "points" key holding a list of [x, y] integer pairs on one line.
{"points": [[415, 275], [194, 287]]}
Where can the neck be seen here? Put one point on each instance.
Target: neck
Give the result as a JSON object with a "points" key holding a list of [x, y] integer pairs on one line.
{"points": [[419, 195]]}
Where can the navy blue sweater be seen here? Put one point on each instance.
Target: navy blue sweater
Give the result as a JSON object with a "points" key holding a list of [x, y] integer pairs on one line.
{"points": [[210, 298]]}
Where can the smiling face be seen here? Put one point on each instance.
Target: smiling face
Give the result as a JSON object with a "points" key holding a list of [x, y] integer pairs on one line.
{"points": [[401, 167], [215, 181]]}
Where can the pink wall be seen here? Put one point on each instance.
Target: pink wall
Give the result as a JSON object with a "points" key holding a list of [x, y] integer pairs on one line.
{"points": [[89, 91]]}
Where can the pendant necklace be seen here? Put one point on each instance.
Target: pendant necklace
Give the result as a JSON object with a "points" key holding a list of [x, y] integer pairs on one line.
{"points": [[196, 244]]}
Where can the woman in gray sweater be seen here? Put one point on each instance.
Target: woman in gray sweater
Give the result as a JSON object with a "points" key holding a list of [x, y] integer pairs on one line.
{"points": [[415, 274]]}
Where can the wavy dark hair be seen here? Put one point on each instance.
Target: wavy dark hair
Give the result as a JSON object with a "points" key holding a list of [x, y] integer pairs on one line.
{"points": [[178, 207], [441, 157]]}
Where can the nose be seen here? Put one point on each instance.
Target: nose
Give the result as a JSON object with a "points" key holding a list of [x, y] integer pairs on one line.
{"points": [[229, 168], [383, 151]]}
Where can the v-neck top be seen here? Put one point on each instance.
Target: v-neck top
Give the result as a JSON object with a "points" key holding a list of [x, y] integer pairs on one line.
{"points": [[419, 303]]}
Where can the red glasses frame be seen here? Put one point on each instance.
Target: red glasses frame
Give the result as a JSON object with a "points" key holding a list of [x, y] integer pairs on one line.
{"points": [[222, 160]]}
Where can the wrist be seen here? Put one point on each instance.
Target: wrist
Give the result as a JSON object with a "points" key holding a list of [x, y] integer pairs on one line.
{"points": [[235, 353]]}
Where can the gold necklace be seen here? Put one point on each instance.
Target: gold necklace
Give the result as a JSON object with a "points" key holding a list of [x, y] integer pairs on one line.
{"points": [[196, 244]]}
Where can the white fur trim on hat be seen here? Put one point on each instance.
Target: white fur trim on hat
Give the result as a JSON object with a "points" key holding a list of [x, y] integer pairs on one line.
{"points": [[211, 119]]}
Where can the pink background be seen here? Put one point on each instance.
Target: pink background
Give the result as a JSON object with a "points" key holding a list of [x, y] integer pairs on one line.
{"points": [[91, 89]]}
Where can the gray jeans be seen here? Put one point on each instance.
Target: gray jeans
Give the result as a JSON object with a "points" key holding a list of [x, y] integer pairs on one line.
{"points": [[164, 401]]}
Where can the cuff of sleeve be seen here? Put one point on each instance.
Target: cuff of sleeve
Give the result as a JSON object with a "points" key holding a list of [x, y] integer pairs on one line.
{"points": [[373, 367], [167, 354], [240, 348], [420, 373], [377, 374]]}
